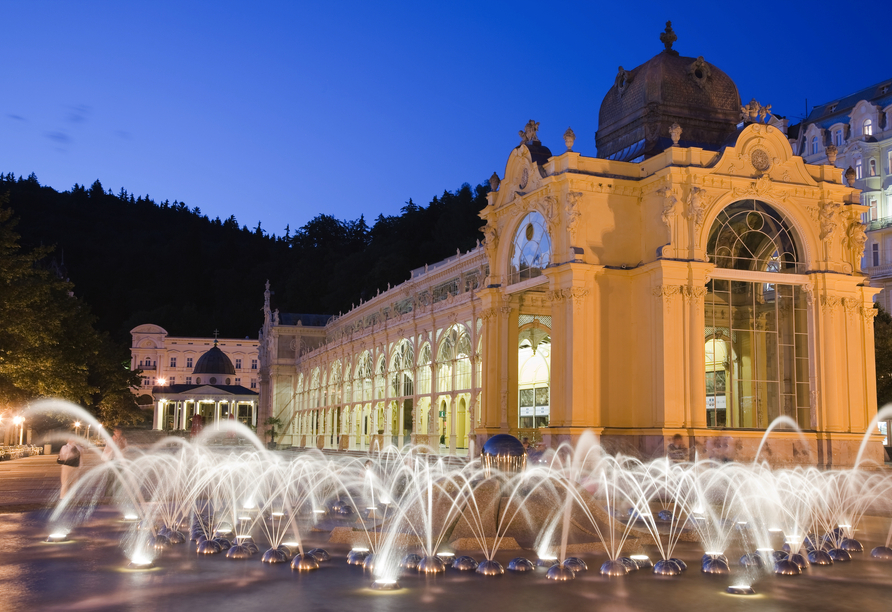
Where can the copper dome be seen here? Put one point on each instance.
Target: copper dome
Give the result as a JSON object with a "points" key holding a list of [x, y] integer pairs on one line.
{"points": [[643, 103]]}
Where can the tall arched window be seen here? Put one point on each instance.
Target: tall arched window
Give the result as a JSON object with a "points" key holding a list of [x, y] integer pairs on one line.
{"points": [[531, 249], [867, 127], [756, 336], [814, 145]]}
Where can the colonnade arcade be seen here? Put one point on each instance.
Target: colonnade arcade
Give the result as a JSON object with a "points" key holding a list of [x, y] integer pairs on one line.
{"points": [[423, 389], [173, 413]]}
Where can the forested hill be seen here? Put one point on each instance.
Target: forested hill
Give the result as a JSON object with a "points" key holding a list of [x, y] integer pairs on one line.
{"points": [[134, 260]]}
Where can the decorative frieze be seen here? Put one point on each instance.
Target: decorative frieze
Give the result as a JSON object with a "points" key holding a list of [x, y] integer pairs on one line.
{"points": [[577, 294], [690, 293]]}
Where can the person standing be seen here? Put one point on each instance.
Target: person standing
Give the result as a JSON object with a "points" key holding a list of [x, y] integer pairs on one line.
{"points": [[119, 440], [70, 460]]}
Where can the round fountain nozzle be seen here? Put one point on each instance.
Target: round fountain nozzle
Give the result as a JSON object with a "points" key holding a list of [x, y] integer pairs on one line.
{"points": [[140, 564], [160, 542], [175, 537], [799, 560], [357, 556], [321, 555], [490, 567], [614, 568], [576, 564], [560, 573], [274, 555], [304, 563], [820, 557], [839, 555], [431, 565], [752, 560], [681, 564], [466, 564], [208, 547], [368, 565], [740, 589], [787, 568], [547, 561], [883, 553], [57, 537], [667, 567], [716, 566], [410, 561], [386, 584], [238, 552], [851, 545], [521, 564], [642, 561], [630, 563], [446, 557]]}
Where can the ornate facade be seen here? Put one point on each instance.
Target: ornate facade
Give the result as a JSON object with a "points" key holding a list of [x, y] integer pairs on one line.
{"points": [[705, 290]]}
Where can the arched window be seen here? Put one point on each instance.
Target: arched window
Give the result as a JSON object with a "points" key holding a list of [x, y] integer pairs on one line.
{"points": [[531, 249], [757, 339], [750, 235], [814, 145], [859, 168], [871, 167], [867, 127]]}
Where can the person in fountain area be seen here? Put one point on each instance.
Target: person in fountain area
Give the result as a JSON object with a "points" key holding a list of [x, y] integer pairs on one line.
{"points": [[70, 460], [676, 450], [119, 440]]}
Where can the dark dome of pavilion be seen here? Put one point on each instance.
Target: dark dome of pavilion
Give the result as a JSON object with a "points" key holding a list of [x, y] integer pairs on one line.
{"points": [[643, 103], [214, 361]]}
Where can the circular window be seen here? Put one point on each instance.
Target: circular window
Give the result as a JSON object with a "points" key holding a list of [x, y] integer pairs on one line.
{"points": [[754, 221], [197, 381], [228, 381], [760, 160], [213, 380]]}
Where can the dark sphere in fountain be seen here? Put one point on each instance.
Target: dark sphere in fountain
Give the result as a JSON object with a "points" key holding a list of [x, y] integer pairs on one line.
{"points": [[576, 564], [614, 567], [799, 560], [716, 566], [466, 564], [839, 555], [224, 543], [175, 537], [667, 567], [547, 561], [820, 557], [357, 556], [779, 555], [664, 515], [752, 560], [238, 552], [250, 545], [521, 564], [560, 573], [851, 545], [681, 564], [160, 542], [321, 554], [208, 547], [490, 567], [642, 561], [447, 558], [285, 550], [368, 565], [431, 564], [274, 555], [410, 561], [883, 553], [709, 556], [787, 568], [630, 563], [201, 538], [504, 452], [304, 563]]}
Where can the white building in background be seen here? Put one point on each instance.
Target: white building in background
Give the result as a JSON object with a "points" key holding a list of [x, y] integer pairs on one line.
{"points": [[171, 360], [854, 133]]}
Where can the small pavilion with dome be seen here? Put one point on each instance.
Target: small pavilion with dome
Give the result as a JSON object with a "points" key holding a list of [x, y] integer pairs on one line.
{"points": [[213, 396]]}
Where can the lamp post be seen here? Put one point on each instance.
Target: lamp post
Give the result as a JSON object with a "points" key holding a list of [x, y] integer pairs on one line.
{"points": [[20, 421], [77, 427]]}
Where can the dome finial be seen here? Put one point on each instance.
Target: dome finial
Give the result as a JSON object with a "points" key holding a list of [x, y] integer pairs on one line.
{"points": [[668, 37], [216, 333]]}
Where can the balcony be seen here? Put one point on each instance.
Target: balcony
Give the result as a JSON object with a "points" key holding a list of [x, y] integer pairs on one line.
{"points": [[880, 272], [146, 368], [872, 226]]}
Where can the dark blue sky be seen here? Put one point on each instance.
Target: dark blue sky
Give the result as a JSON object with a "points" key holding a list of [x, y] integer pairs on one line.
{"points": [[276, 111]]}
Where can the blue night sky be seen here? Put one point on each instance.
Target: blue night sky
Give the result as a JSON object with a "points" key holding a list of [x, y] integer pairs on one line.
{"points": [[277, 111]]}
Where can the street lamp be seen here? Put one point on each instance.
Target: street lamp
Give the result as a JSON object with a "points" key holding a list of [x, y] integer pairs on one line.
{"points": [[162, 382], [20, 421], [77, 426]]}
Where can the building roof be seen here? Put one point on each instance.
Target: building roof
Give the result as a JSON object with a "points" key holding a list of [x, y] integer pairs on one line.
{"points": [[838, 111], [214, 361], [312, 320], [642, 104], [226, 389]]}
